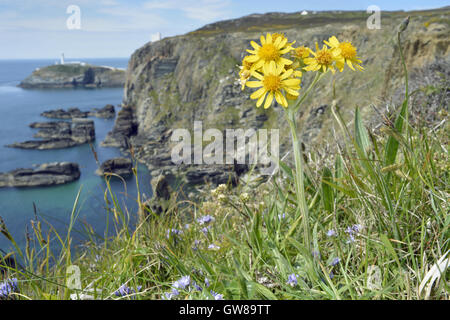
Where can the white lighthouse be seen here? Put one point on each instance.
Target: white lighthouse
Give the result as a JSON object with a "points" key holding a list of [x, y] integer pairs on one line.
{"points": [[62, 58]]}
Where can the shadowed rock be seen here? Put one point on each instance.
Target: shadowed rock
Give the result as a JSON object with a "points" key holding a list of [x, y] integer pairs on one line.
{"points": [[119, 166], [124, 127], [47, 174], [107, 112]]}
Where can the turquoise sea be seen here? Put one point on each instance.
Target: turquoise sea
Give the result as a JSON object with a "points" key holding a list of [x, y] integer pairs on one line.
{"points": [[19, 108]]}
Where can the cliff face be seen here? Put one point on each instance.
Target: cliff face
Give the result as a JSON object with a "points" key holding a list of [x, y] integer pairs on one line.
{"points": [[74, 75], [176, 81]]}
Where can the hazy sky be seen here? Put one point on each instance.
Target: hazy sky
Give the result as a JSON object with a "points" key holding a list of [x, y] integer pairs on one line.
{"points": [[115, 28]]}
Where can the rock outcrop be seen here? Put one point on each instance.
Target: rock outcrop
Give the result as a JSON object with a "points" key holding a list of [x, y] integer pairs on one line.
{"points": [[70, 113], [59, 134], [45, 175], [173, 82], [107, 112], [125, 127], [74, 75], [119, 166]]}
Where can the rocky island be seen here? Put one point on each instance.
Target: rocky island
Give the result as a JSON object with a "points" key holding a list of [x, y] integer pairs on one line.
{"points": [[47, 174], [74, 75]]}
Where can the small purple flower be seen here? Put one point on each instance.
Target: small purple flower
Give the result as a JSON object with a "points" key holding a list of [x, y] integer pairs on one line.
{"points": [[167, 296], [184, 282], [331, 275], [7, 287], [335, 261], [173, 232], [357, 228], [205, 230], [349, 230], [292, 280], [205, 220], [282, 216], [351, 239], [207, 282], [217, 296], [175, 292], [124, 290], [331, 233], [197, 287], [196, 244], [213, 247]]}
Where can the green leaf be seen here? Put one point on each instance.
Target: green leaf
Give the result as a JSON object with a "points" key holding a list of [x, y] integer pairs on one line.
{"points": [[327, 190], [393, 142], [362, 138]]}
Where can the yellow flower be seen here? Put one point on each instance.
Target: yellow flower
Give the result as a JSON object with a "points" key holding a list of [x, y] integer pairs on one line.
{"points": [[295, 66], [323, 59], [301, 52], [348, 52], [246, 72], [274, 82], [270, 50]]}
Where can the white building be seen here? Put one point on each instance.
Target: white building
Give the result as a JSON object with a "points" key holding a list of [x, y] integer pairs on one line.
{"points": [[304, 13]]}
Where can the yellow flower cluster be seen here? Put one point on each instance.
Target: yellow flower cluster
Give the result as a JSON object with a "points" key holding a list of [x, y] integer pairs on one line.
{"points": [[277, 66]]}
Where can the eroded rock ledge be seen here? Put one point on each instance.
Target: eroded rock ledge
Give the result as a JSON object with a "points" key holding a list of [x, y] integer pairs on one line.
{"points": [[60, 134], [47, 174]]}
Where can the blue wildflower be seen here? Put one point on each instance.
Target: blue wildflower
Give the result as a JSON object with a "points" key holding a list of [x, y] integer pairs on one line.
{"points": [[335, 261], [351, 239], [175, 292], [205, 220], [357, 228], [216, 295], [196, 243], [183, 282], [205, 230], [292, 280], [197, 287], [282, 216], [331, 233], [7, 287], [207, 282], [213, 247], [124, 290], [173, 232]]}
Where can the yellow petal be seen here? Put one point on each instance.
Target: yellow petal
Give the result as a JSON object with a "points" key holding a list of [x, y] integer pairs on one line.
{"points": [[258, 93], [287, 74], [255, 45], [254, 84], [257, 75], [253, 58], [269, 38], [350, 65], [260, 100], [292, 92], [291, 82], [268, 100], [278, 97]]}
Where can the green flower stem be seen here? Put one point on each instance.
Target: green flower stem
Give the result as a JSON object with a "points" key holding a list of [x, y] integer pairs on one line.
{"points": [[299, 178], [299, 101], [405, 75]]}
